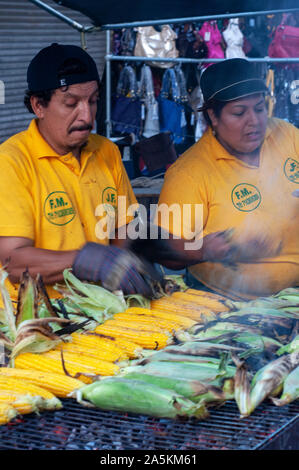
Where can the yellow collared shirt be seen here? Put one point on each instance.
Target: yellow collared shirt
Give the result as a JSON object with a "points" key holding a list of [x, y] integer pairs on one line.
{"points": [[55, 200], [254, 201]]}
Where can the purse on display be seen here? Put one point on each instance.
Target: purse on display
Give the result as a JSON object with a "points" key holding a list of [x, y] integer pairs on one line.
{"points": [[213, 39], [151, 123], [153, 43], [125, 104], [285, 42], [155, 154], [171, 108], [234, 40]]}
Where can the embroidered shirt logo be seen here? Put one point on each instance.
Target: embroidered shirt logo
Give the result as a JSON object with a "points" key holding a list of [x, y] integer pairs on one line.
{"points": [[246, 197], [291, 170], [109, 199], [58, 208], [62, 82]]}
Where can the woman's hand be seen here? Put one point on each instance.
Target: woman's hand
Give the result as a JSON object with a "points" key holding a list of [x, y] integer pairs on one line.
{"points": [[217, 247]]}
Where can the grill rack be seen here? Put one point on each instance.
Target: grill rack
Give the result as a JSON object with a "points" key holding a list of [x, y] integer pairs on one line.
{"points": [[79, 428]]}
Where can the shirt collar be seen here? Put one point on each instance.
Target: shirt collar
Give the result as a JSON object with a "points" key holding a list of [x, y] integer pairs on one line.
{"points": [[41, 149]]}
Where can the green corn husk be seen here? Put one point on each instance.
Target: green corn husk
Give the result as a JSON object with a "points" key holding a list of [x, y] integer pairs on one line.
{"points": [[202, 332], [163, 355], [269, 378], [199, 348], [293, 346], [256, 311], [257, 341], [264, 303], [242, 388], [290, 390], [192, 389], [27, 306], [136, 396], [194, 371], [8, 307], [92, 295]]}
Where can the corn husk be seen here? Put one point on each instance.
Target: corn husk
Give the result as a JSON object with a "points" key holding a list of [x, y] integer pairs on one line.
{"points": [[136, 396]]}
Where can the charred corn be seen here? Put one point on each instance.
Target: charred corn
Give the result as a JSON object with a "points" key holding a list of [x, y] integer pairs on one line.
{"points": [[136, 325], [98, 354], [58, 384], [204, 293], [97, 343], [49, 400], [146, 339], [184, 321], [7, 413], [151, 320], [186, 309], [127, 348], [200, 300], [76, 365]]}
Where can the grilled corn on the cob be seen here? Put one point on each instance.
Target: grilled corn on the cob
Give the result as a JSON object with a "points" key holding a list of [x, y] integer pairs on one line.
{"points": [[49, 400], [58, 384], [7, 413], [186, 309], [78, 366], [146, 339], [184, 321]]}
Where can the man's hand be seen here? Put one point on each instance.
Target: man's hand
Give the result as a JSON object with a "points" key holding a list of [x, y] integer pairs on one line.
{"points": [[115, 268]]}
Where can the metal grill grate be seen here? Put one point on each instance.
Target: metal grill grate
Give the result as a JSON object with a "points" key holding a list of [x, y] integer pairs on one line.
{"points": [[79, 428]]}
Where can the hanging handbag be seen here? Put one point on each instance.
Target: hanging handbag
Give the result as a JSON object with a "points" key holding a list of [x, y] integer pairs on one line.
{"points": [[213, 39], [152, 43], [146, 93], [125, 104], [286, 40], [233, 38], [270, 98], [171, 110], [155, 154]]}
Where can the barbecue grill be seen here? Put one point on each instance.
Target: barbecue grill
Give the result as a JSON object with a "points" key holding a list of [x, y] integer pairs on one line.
{"points": [[76, 427]]}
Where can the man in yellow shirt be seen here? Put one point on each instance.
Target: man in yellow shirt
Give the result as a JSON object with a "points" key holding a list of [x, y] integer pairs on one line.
{"points": [[243, 173], [58, 182]]}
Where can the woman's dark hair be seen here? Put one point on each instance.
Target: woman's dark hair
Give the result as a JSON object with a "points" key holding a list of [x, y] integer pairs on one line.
{"points": [[69, 67], [215, 106]]}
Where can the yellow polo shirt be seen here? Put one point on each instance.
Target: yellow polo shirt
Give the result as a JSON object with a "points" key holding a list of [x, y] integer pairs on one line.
{"points": [[57, 201], [255, 201]]}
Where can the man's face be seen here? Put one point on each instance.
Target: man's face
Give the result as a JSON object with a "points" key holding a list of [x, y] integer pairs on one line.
{"points": [[69, 117]]}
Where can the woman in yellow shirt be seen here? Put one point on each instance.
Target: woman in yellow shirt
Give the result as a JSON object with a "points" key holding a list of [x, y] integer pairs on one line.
{"points": [[243, 175]]}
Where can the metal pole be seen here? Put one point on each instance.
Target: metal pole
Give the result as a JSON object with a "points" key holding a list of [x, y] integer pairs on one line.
{"points": [[192, 19], [188, 60], [108, 85], [66, 19]]}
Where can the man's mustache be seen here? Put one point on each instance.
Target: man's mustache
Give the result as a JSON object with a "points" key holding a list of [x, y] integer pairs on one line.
{"points": [[87, 127]]}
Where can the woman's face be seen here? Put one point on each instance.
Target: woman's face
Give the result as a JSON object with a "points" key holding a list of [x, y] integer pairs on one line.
{"points": [[242, 124]]}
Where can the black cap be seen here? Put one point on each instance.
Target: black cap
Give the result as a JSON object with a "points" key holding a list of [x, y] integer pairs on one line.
{"points": [[231, 79], [43, 70]]}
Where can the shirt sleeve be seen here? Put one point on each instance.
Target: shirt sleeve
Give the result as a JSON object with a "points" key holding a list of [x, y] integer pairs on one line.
{"points": [[16, 204]]}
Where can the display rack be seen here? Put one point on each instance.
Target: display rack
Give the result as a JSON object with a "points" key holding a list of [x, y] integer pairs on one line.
{"points": [[110, 57]]}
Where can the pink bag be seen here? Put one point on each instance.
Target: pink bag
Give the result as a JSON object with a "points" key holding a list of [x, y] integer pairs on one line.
{"points": [[213, 38], [285, 42]]}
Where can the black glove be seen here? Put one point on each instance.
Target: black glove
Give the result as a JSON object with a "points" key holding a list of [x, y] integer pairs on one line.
{"points": [[116, 269]]}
